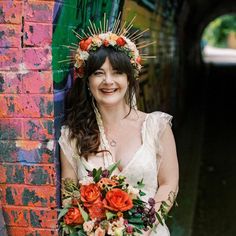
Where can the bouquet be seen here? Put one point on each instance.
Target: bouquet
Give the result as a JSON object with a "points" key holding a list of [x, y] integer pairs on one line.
{"points": [[102, 204]]}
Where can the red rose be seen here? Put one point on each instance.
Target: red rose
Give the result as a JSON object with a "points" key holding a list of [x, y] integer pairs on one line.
{"points": [[85, 43], [120, 41], [73, 217], [97, 211], [106, 43], [117, 200], [90, 194]]}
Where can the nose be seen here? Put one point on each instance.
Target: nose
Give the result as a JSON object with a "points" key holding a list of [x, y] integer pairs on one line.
{"points": [[108, 79]]}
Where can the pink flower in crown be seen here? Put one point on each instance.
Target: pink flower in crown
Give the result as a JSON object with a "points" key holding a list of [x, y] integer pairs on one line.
{"points": [[138, 60]]}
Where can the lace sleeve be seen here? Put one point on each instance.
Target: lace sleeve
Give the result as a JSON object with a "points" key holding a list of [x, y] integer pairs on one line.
{"points": [[67, 146], [162, 119]]}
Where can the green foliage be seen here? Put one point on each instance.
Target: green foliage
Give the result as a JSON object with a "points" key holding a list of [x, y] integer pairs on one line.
{"points": [[217, 31]]}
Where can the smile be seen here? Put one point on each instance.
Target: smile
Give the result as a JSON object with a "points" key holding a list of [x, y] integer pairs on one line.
{"points": [[108, 91]]}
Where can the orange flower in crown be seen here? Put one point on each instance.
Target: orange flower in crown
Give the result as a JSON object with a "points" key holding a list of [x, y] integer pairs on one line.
{"points": [[116, 37]]}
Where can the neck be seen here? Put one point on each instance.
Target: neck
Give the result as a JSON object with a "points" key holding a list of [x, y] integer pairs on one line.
{"points": [[113, 115]]}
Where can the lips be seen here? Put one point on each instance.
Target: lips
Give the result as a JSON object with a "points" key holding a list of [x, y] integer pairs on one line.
{"points": [[108, 91]]}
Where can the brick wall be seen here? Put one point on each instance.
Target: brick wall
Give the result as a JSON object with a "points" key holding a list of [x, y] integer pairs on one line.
{"points": [[27, 166], [32, 88]]}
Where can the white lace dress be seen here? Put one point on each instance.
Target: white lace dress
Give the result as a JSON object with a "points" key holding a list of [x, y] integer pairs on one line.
{"points": [[143, 165]]}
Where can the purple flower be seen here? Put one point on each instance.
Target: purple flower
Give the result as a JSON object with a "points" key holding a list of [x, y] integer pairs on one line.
{"points": [[105, 173], [151, 201]]}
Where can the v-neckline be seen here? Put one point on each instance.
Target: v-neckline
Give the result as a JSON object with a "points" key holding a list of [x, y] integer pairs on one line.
{"points": [[142, 130]]}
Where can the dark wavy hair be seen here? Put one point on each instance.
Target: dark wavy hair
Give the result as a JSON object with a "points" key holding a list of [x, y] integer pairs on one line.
{"points": [[79, 113]]}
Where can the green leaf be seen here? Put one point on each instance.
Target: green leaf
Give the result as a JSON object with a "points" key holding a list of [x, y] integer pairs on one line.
{"points": [[81, 233], [159, 218], [136, 220], [112, 167], [138, 230], [164, 204], [62, 213], [97, 174], [138, 202], [109, 215], [83, 213], [140, 184], [141, 193]]}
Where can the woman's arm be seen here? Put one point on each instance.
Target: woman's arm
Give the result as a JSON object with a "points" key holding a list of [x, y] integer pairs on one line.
{"points": [[67, 170], [168, 175]]}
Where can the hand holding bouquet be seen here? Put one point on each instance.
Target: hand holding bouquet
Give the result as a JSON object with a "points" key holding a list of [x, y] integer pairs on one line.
{"points": [[102, 204]]}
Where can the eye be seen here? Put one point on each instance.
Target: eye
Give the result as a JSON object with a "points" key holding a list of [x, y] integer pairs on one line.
{"points": [[118, 72], [98, 72]]}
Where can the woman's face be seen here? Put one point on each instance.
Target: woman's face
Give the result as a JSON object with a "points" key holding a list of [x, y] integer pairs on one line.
{"points": [[108, 86]]}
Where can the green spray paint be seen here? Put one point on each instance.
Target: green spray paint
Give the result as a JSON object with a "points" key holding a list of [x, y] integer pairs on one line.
{"points": [[75, 15]]}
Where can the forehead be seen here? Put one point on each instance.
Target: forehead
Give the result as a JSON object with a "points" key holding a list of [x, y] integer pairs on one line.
{"points": [[107, 64]]}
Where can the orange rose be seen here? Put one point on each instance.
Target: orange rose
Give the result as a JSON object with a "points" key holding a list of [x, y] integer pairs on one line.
{"points": [[117, 200], [97, 211], [106, 181], [73, 217], [85, 43], [90, 194], [120, 41]]}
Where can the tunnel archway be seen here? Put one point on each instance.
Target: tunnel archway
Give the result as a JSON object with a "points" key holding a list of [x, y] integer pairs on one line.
{"points": [[210, 100]]}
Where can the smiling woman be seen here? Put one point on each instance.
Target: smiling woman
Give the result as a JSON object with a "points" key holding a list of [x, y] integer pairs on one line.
{"points": [[103, 127]]}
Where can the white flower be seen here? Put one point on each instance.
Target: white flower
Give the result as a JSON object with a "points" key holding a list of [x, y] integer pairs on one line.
{"points": [[116, 228], [82, 54], [133, 191], [88, 226]]}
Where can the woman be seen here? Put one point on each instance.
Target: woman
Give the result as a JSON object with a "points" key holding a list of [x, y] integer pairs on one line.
{"points": [[103, 126]]}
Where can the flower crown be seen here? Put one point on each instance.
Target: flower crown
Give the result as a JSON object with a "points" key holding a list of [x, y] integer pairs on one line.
{"points": [[118, 38]]}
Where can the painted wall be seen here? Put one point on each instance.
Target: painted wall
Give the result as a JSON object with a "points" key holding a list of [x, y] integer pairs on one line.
{"points": [[32, 87]]}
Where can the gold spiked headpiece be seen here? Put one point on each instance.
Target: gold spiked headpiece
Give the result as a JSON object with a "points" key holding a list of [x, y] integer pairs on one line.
{"points": [[119, 38]]}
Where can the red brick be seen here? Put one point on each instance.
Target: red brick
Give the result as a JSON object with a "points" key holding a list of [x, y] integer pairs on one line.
{"points": [[27, 151], [12, 173], [37, 105], [8, 151], [37, 82], [26, 105], [16, 216], [4, 127], [38, 129], [10, 35], [31, 231], [40, 175], [37, 58], [36, 11], [12, 12], [10, 105], [10, 59], [23, 195], [36, 34], [43, 218], [15, 129], [10, 82]]}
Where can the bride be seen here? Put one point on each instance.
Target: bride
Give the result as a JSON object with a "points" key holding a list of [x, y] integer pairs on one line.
{"points": [[103, 126]]}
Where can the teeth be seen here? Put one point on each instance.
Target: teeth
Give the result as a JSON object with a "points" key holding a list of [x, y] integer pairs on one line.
{"points": [[108, 90]]}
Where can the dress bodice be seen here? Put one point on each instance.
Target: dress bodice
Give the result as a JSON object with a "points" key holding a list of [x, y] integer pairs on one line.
{"points": [[144, 164]]}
